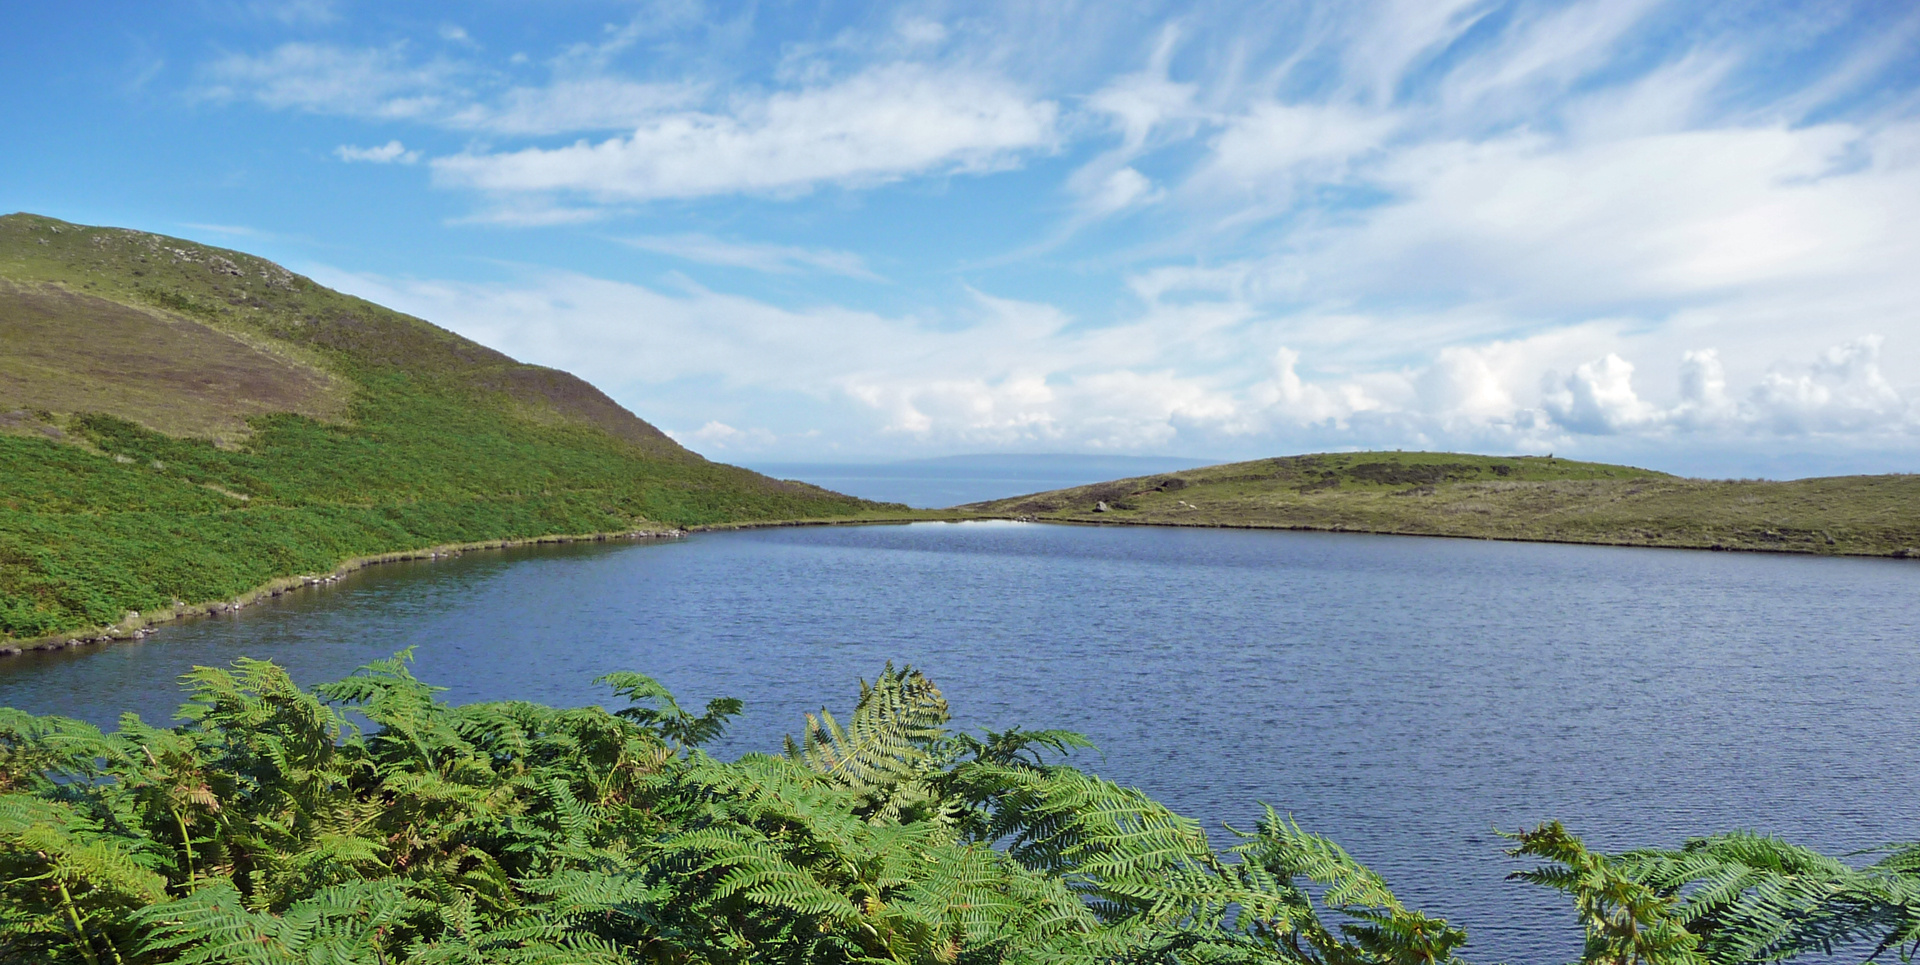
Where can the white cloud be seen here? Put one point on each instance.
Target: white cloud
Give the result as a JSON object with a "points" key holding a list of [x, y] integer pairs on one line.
{"points": [[1465, 384], [1555, 225], [1011, 374], [584, 104], [1143, 103], [1123, 188], [296, 11], [1703, 391], [1141, 107], [1542, 54], [1395, 35], [921, 32], [773, 259], [392, 152], [716, 435], [1844, 390], [1277, 144], [389, 83], [882, 124], [1598, 398], [532, 213], [323, 79], [1461, 222], [1155, 283]]}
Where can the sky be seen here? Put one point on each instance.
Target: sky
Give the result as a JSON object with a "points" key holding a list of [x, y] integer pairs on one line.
{"points": [[1684, 235]]}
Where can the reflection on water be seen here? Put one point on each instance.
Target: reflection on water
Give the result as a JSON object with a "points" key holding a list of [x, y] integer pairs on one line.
{"points": [[1406, 696]]}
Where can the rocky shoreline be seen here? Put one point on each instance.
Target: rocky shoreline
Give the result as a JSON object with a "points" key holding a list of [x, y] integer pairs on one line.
{"points": [[136, 625]]}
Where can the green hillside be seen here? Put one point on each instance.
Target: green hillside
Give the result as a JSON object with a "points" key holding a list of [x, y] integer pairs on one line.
{"points": [[180, 424], [1495, 497]]}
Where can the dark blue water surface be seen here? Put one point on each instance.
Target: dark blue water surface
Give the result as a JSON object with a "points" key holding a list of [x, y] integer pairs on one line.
{"points": [[1405, 696]]}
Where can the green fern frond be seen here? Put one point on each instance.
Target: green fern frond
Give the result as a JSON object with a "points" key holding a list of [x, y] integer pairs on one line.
{"points": [[1625, 920], [898, 721]]}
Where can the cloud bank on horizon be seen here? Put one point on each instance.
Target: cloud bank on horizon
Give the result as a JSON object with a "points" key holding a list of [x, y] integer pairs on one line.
{"points": [[1687, 234]]}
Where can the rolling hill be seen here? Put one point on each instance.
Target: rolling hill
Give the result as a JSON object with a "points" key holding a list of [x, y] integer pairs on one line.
{"points": [[182, 424], [1513, 498]]}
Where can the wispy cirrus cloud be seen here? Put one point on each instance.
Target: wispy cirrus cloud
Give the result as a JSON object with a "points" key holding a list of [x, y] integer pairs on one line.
{"points": [[396, 83], [772, 259], [296, 11], [573, 105], [1504, 223], [886, 123], [375, 82]]}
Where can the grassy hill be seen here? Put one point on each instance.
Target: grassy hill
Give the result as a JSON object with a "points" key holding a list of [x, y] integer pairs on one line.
{"points": [[1517, 498], [181, 424]]}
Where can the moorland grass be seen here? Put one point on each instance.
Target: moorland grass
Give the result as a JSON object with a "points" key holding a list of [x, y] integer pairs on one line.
{"points": [[1515, 498], [433, 439]]}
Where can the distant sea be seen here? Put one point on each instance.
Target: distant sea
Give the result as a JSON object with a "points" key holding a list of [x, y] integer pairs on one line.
{"points": [[952, 480]]}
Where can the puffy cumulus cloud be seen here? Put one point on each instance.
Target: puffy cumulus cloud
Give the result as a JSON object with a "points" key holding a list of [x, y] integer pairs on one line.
{"points": [[1011, 374], [881, 124], [1703, 391], [1843, 391], [1002, 409], [1463, 385], [1598, 398]]}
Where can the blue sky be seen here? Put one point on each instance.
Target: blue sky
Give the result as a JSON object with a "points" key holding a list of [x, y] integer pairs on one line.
{"points": [[1681, 234]]}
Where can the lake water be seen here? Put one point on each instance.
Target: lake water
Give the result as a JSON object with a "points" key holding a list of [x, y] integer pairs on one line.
{"points": [[953, 480], [1405, 696]]}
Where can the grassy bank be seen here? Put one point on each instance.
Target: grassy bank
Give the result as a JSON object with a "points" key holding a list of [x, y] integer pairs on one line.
{"points": [[181, 425], [1511, 498]]}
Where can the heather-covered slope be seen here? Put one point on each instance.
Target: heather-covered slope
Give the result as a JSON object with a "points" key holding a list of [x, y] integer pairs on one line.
{"points": [[181, 423], [1502, 497]]}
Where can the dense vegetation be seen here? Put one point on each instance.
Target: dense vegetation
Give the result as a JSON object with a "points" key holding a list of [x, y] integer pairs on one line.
{"points": [[1495, 497], [181, 424], [267, 828]]}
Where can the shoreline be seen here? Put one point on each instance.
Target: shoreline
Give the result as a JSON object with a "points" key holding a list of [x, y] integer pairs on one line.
{"points": [[138, 625], [1906, 553]]}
